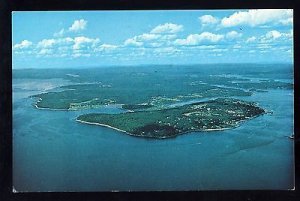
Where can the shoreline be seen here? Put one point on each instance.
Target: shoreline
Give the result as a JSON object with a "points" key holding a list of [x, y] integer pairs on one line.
{"points": [[131, 134], [103, 125], [117, 129], [152, 135], [47, 108]]}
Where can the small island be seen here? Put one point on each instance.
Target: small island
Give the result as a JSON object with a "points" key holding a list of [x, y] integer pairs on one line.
{"points": [[218, 114]]}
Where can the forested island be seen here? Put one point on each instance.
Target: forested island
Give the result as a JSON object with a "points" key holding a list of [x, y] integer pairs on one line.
{"points": [[218, 114]]}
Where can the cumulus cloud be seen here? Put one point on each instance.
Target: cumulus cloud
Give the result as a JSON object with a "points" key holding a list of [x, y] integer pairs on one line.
{"points": [[167, 28], [208, 20], [46, 43], [163, 39], [233, 34], [258, 17], [161, 35], [138, 40], [49, 43], [166, 37], [78, 25], [23, 45], [68, 46], [64, 41], [60, 33], [273, 34], [45, 52], [196, 39], [106, 47], [132, 42], [251, 39], [287, 21], [83, 41], [147, 36]]}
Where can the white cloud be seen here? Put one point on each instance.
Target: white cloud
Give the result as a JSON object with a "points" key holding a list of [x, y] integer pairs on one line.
{"points": [[45, 52], [65, 41], [236, 46], [137, 52], [233, 34], [289, 51], [289, 35], [49, 43], [257, 17], [168, 37], [251, 39], [147, 36], [219, 50], [60, 33], [57, 47], [161, 35], [82, 41], [286, 21], [204, 47], [196, 39], [140, 39], [78, 25], [263, 51], [208, 20], [276, 36], [46, 43], [64, 49], [23, 45], [166, 50], [106, 47], [75, 55], [167, 28], [273, 34], [132, 42], [63, 55], [23, 52], [156, 44], [263, 46]]}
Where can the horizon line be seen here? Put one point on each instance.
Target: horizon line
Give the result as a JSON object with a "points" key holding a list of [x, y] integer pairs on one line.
{"points": [[144, 65]]}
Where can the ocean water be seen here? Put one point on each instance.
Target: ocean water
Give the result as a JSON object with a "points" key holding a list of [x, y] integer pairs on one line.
{"points": [[53, 152]]}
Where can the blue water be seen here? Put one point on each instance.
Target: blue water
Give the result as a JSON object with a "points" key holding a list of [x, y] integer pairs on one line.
{"points": [[53, 152]]}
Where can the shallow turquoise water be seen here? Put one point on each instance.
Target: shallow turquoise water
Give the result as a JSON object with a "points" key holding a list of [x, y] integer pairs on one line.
{"points": [[52, 152]]}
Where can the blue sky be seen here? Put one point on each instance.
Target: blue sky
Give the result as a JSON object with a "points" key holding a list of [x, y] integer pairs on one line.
{"points": [[109, 38]]}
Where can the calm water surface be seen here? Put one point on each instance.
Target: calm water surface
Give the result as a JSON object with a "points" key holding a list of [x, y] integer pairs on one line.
{"points": [[53, 152]]}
